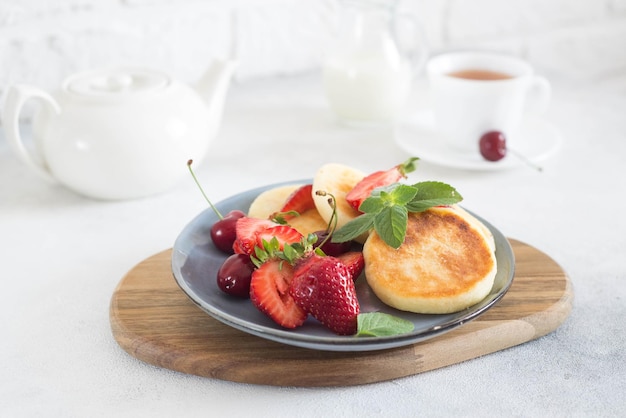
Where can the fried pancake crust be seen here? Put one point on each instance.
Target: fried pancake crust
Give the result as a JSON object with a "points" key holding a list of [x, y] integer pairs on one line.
{"points": [[445, 264]]}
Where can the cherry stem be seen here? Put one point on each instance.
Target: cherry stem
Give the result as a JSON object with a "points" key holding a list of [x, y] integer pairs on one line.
{"points": [[217, 212], [332, 222], [525, 160]]}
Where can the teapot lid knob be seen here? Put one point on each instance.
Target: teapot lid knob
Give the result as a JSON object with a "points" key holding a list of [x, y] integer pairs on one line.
{"points": [[113, 83]]}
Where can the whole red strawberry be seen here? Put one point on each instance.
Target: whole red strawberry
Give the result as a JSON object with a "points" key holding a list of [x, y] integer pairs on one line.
{"points": [[354, 261], [323, 287]]}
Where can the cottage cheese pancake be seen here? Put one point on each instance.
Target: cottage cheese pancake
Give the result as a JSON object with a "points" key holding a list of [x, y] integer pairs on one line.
{"points": [[477, 224], [446, 263]]}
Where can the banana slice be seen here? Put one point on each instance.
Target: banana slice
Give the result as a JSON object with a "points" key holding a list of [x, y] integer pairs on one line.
{"points": [[338, 180], [272, 200]]}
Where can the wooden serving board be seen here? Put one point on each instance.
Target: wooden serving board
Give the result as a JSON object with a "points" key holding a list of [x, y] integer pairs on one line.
{"points": [[154, 321]]}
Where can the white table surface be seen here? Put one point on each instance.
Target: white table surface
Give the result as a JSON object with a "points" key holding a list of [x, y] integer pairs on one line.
{"points": [[62, 256]]}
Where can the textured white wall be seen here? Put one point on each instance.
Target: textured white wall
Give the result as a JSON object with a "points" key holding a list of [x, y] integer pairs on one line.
{"points": [[42, 41]]}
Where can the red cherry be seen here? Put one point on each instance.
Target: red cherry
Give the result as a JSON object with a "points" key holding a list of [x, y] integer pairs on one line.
{"points": [[493, 146], [234, 276], [224, 233], [331, 248]]}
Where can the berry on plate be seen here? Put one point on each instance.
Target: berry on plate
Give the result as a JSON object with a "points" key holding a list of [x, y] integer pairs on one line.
{"points": [[354, 262], [283, 233], [247, 231], [269, 292], [300, 200], [363, 188], [223, 231], [234, 275], [323, 287]]}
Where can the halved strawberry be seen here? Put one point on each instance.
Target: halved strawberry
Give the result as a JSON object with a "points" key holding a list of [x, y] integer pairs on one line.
{"points": [[354, 262], [323, 287], [269, 292], [300, 200], [364, 188], [247, 230], [283, 233]]}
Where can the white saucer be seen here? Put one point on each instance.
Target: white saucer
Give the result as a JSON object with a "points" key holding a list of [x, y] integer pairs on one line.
{"points": [[536, 139]]}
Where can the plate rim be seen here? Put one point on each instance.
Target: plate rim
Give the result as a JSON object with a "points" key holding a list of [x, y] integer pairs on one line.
{"points": [[333, 342]]}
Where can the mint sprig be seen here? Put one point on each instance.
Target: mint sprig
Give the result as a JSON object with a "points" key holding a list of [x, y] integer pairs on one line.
{"points": [[386, 210], [433, 193], [379, 324]]}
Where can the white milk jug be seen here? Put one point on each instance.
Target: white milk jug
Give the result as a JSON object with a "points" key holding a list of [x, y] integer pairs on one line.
{"points": [[369, 69]]}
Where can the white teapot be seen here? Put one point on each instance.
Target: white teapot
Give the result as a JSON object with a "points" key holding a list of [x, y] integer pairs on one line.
{"points": [[119, 133]]}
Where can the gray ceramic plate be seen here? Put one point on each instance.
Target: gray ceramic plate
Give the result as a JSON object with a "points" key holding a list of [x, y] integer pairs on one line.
{"points": [[195, 262]]}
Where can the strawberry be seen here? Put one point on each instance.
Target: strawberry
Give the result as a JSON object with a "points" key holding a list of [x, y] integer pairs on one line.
{"points": [[283, 233], [364, 188], [322, 287], [300, 200], [354, 262], [247, 230], [269, 292]]}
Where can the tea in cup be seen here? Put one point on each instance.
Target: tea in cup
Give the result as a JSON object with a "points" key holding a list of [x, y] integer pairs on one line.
{"points": [[476, 92]]}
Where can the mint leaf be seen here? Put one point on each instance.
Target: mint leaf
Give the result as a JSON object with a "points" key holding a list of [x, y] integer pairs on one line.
{"points": [[403, 193], [372, 204], [378, 324], [354, 228], [433, 193], [390, 225], [396, 193], [386, 209]]}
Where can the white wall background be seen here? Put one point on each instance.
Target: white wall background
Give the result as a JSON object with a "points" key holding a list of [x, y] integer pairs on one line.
{"points": [[42, 41]]}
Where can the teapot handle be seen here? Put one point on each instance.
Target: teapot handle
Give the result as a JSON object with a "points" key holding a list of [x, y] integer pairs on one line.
{"points": [[16, 96]]}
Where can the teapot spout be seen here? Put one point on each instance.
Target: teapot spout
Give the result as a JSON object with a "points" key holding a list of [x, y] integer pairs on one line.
{"points": [[213, 85]]}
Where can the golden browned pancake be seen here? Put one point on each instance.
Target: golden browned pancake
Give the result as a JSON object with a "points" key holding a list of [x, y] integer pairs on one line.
{"points": [[446, 263], [272, 200], [477, 224]]}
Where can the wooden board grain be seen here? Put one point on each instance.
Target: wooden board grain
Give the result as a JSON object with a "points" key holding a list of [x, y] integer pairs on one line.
{"points": [[154, 321]]}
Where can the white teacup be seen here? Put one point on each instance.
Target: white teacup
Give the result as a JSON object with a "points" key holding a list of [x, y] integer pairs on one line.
{"points": [[476, 92]]}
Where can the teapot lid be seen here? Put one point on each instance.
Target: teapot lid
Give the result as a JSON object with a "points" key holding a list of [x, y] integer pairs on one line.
{"points": [[116, 83]]}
